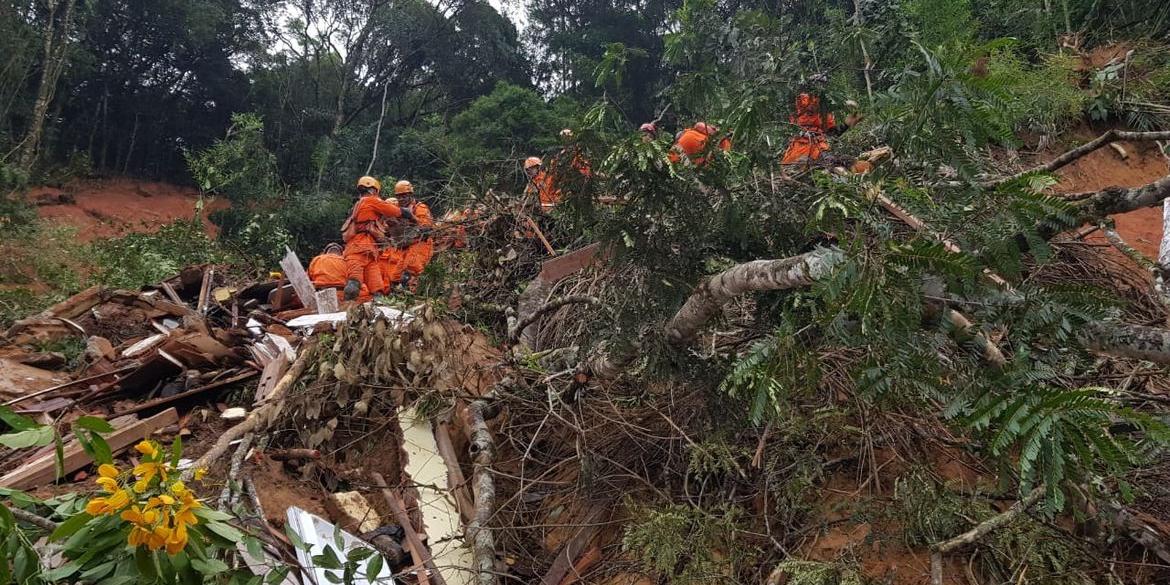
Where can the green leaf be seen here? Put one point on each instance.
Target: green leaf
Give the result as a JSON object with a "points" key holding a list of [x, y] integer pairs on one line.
{"points": [[212, 515], [255, 548], [35, 437], [176, 451], [101, 449], [7, 520], [374, 568], [226, 531], [144, 560], [16, 421], [277, 575], [94, 573], [293, 537], [70, 526], [93, 423], [209, 566], [19, 498], [327, 559], [63, 571], [120, 580], [58, 457]]}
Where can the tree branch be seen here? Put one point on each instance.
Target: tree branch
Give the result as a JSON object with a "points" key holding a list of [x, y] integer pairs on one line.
{"points": [[31, 518], [1078, 152], [514, 334], [982, 529], [1112, 200], [760, 275]]}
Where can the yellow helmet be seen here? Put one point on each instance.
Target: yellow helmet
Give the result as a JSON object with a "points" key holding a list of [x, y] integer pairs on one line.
{"points": [[403, 187], [370, 183], [532, 161]]}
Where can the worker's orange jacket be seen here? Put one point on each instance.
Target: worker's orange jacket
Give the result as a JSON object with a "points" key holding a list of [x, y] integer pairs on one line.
{"points": [[544, 186], [811, 143], [361, 252], [692, 143], [328, 270], [419, 253]]}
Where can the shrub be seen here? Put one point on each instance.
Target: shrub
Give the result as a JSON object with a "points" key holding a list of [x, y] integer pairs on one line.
{"points": [[140, 259]]}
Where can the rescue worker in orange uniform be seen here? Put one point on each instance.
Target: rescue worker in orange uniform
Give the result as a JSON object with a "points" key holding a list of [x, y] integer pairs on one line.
{"points": [[649, 131], [541, 183], [328, 270], [410, 244], [811, 142], [693, 141], [361, 232]]}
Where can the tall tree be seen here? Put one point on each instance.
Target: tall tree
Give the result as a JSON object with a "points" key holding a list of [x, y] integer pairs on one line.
{"points": [[56, 25]]}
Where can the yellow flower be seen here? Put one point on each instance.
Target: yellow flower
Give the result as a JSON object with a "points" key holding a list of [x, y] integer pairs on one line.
{"points": [[177, 540], [146, 472], [108, 505], [109, 484], [138, 536], [159, 501], [158, 537], [147, 448], [107, 470], [200, 473], [179, 489]]}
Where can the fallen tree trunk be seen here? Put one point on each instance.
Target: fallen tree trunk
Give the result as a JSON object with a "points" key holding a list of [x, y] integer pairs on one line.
{"points": [[483, 453], [786, 273], [257, 419]]}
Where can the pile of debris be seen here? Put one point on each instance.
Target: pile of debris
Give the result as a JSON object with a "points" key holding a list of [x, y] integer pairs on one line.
{"points": [[320, 401]]}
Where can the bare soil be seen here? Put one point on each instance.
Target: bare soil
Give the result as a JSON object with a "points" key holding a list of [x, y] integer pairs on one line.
{"points": [[116, 207]]}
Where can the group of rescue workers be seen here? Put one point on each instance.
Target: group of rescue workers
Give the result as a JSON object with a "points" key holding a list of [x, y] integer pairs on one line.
{"points": [[388, 242]]}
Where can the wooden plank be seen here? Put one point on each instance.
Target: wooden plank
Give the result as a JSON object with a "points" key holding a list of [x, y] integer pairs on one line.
{"points": [[300, 280], [327, 301], [573, 549], [418, 551], [204, 289], [171, 294], [456, 481], [69, 384], [558, 268], [540, 234], [157, 402], [42, 470], [273, 371]]}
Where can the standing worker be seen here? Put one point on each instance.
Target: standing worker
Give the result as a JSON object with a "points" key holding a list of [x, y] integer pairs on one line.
{"points": [[812, 142], [693, 141], [361, 232], [414, 242], [541, 183]]}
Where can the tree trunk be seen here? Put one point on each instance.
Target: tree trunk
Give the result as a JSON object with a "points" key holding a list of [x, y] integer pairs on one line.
{"points": [[1112, 200], [1128, 341], [783, 274], [483, 454], [53, 49]]}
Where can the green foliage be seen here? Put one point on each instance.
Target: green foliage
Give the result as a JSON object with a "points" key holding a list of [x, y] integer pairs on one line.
{"points": [[1062, 435], [801, 572], [929, 513], [942, 22], [684, 544], [140, 259], [73, 348], [238, 166]]}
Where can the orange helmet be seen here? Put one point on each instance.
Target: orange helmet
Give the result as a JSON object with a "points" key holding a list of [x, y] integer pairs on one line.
{"points": [[369, 182], [532, 161], [403, 187], [706, 128]]}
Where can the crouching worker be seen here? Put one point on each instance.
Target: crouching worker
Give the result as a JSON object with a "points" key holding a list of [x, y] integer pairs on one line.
{"points": [[328, 270], [361, 232]]}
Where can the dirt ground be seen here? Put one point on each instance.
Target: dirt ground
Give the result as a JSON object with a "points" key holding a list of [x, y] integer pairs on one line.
{"points": [[115, 207]]}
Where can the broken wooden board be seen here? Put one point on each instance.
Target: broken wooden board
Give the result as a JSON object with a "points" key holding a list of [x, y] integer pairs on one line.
{"points": [[42, 470], [553, 270], [327, 301], [196, 350], [298, 278], [69, 308]]}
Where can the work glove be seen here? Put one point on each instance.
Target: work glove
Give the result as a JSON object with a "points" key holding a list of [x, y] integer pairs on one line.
{"points": [[352, 288], [405, 282], [406, 214]]}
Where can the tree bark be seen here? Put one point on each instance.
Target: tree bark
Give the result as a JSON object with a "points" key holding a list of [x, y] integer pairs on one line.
{"points": [[53, 49], [979, 531], [1128, 341], [483, 454], [1112, 200], [760, 275]]}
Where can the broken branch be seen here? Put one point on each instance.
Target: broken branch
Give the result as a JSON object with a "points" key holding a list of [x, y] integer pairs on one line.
{"points": [[1078, 152], [979, 531], [553, 305]]}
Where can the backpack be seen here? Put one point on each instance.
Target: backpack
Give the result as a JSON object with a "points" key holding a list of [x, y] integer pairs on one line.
{"points": [[351, 228]]}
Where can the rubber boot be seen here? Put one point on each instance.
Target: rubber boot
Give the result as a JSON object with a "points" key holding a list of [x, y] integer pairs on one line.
{"points": [[352, 288]]}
